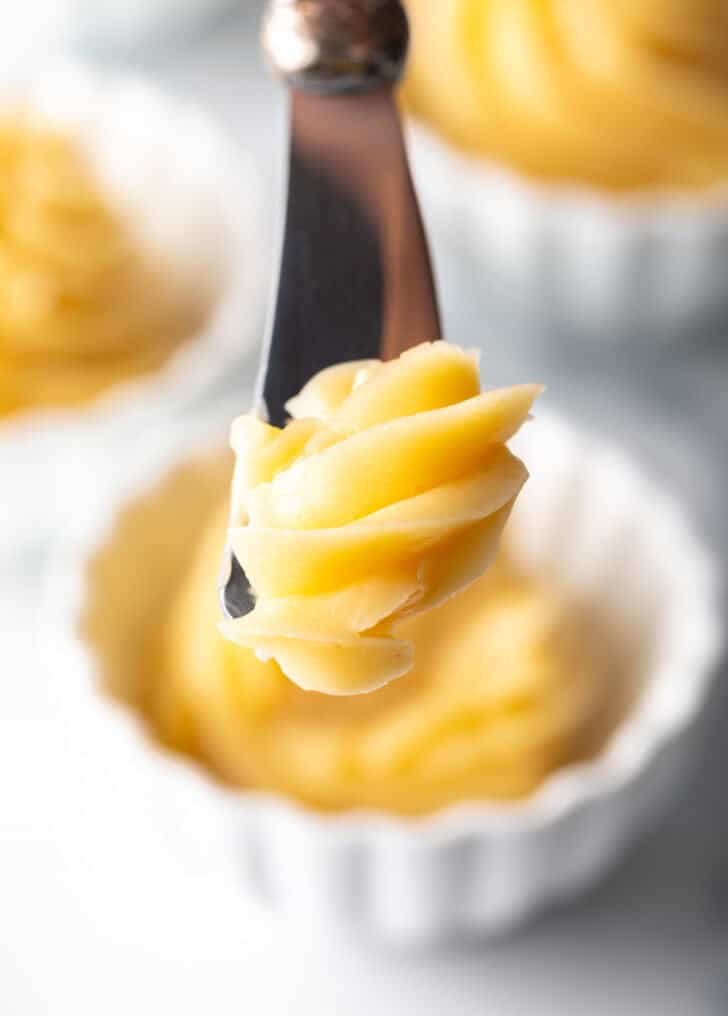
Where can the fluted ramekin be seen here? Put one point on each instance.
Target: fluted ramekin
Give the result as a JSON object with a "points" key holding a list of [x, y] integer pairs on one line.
{"points": [[191, 195], [588, 518], [577, 262]]}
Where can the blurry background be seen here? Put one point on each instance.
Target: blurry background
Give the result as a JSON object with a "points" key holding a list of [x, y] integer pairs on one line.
{"points": [[92, 921]]}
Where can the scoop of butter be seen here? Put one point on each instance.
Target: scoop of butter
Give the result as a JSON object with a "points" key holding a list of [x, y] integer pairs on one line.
{"points": [[385, 494], [617, 94]]}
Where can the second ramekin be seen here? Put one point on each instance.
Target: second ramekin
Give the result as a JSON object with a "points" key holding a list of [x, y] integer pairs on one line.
{"points": [[192, 196], [588, 518], [573, 262]]}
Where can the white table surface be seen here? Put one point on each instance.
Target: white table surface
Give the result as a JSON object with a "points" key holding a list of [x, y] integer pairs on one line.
{"points": [[94, 920]]}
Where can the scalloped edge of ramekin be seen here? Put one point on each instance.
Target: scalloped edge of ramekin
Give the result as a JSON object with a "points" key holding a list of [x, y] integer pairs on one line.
{"points": [[40, 449], [473, 869], [571, 261]]}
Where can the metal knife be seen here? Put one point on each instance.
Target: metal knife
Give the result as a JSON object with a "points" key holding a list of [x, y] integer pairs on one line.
{"points": [[355, 279]]}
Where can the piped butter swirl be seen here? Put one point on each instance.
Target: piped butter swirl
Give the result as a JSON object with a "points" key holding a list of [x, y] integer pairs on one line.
{"points": [[386, 494], [616, 93], [82, 306]]}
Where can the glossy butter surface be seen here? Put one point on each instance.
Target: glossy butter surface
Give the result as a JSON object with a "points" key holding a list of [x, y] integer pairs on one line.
{"points": [[385, 495]]}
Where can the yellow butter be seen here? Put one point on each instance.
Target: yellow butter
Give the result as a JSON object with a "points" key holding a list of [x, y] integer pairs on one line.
{"points": [[388, 501], [509, 682], [621, 94], [81, 306]]}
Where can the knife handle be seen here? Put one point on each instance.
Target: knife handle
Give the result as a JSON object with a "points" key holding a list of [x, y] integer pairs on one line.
{"points": [[336, 46]]}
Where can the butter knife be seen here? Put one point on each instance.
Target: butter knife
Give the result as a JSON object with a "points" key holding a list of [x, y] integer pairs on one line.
{"points": [[355, 279]]}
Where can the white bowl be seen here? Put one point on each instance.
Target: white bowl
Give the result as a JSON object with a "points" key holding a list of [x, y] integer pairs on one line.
{"points": [[191, 197], [576, 262], [589, 518]]}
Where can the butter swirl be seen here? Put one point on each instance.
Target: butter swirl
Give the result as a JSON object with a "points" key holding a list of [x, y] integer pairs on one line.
{"points": [[386, 494], [81, 305], [615, 93]]}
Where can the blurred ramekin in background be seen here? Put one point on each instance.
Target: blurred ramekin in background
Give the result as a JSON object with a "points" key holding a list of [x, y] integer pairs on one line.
{"points": [[588, 519], [573, 262], [190, 197]]}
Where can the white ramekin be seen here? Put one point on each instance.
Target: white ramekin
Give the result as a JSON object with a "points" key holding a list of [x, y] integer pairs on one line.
{"points": [[192, 197], [589, 517], [578, 263]]}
